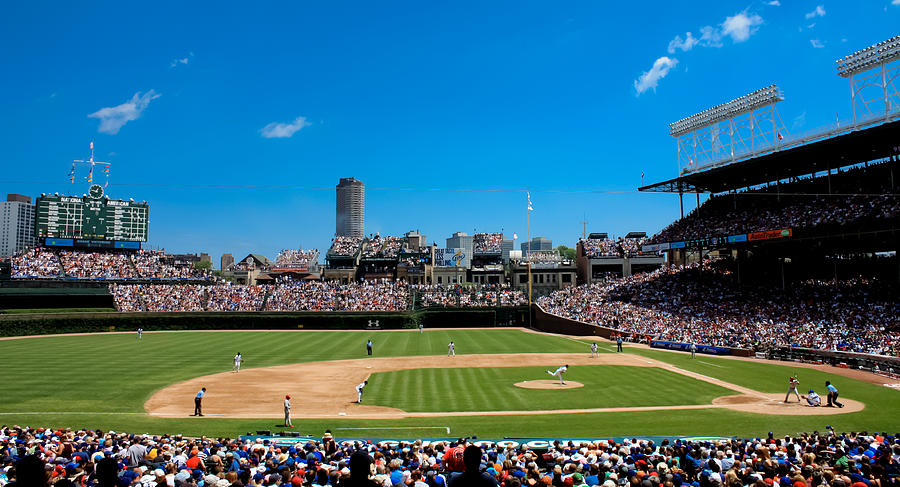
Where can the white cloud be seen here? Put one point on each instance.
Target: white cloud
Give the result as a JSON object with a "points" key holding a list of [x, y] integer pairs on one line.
{"points": [[741, 26], [685, 44], [816, 43], [710, 36], [183, 60], [277, 130], [113, 118], [818, 12], [895, 2], [649, 79], [775, 3]]}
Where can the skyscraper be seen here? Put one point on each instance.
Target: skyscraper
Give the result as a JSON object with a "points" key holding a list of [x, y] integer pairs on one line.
{"points": [[351, 208], [16, 224]]}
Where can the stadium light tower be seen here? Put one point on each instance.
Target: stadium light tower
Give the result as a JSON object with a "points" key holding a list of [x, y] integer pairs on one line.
{"points": [[724, 132], [876, 68]]}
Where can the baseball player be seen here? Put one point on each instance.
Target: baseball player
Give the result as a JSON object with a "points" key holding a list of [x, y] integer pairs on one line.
{"points": [[287, 410], [359, 391], [451, 349], [238, 358], [594, 352], [619, 342], [369, 347], [559, 372], [693, 350], [813, 400], [792, 388], [140, 333]]}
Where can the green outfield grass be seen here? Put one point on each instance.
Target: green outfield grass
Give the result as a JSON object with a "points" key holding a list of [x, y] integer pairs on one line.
{"points": [[493, 389], [103, 380]]}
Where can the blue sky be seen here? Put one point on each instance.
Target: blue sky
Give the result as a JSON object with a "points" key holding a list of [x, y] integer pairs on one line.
{"points": [[201, 106]]}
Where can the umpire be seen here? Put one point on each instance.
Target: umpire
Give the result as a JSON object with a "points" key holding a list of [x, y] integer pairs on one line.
{"points": [[198, 400]]}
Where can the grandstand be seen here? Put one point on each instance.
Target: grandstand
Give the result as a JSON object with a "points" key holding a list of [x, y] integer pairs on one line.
{"points": [[600, 257], [827, 205], [487, 258]]}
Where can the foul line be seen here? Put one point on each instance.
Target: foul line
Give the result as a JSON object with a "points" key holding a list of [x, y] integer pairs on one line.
{"points": [[714, 365]]}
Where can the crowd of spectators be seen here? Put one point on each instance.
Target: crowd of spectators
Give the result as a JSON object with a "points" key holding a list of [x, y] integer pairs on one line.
{"points": [[477, 296], [303, 295], [155, 264], [544, 257], [623, 247], [40, 457], [297, 258], [159, 297], [487, 243], [36, 262], [862, 196], [332, 296], [345, 245], [386, 247], [701, 303], [96, 265], [108, 265], [234, 297], [597, 248]]}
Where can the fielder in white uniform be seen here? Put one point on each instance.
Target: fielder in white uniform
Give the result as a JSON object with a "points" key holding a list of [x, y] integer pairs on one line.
{"points": [[359, 391], [559, 372], [237, 362], [451, 349], [594, 352], [140, 333], [287, 410]]}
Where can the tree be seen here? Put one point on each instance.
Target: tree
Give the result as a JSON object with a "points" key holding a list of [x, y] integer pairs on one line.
{"points": [[566, 252], [203, 265]]}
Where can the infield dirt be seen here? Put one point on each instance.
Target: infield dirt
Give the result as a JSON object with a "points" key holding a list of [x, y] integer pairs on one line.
{"points": [[326, 389]]}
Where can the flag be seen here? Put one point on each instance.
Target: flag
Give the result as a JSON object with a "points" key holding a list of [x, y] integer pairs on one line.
{"points": [[92, 145], [106, 170], [515, 236], [90, 177], [530, 208], [780, 136]]}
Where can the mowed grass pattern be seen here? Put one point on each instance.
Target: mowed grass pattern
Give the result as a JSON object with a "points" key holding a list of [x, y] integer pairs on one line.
{"points": [[107, 373], [493, 389], [118, 373]]}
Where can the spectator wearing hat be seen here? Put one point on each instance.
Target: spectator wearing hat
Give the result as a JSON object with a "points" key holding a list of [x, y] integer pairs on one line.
{"points": [[287, 410]]}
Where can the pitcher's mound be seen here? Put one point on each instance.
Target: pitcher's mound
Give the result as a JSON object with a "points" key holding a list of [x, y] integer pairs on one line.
{"points": [[548, 384]]}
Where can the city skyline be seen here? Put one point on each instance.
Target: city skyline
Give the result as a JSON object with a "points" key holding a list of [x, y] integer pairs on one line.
{"points": [[236, 125]]}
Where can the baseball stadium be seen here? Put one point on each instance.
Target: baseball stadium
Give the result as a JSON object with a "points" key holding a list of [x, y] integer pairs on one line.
{"points": [[754, 341]]}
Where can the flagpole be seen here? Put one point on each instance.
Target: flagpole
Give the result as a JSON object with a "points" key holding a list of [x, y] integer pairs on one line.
{"points": [[528, 210]]}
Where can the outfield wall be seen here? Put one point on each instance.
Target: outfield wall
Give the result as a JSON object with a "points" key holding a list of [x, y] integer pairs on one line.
{"points": [[42, 324]]}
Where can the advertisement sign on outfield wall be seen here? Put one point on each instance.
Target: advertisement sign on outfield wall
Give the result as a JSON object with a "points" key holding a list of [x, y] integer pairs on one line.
{"points": [[686, 347], [770, 234], [531, 443]]}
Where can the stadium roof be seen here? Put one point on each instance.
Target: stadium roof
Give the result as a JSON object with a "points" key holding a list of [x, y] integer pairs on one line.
{"points": [[847, 149]]}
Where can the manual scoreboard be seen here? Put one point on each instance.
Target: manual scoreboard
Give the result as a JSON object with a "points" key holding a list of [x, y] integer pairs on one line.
{"points": [[91, 217]]}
